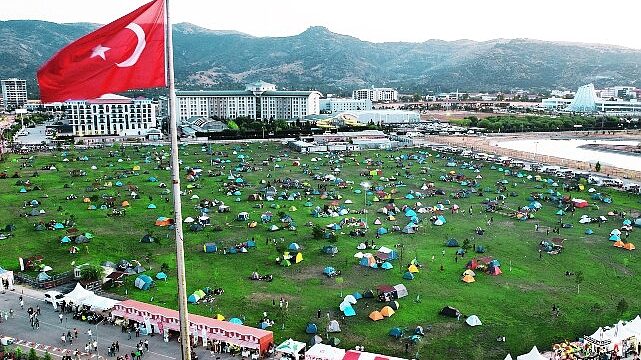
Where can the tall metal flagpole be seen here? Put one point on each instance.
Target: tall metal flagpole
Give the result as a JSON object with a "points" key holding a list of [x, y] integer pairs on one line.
{"points": [[175, 175]]}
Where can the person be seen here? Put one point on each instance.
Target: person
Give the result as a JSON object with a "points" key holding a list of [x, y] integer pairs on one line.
{"points": [[129, 333], [75, 332], [63, 339], [89, 334], [60, 316], [95, 346], [21, 303], [117, 346], [146, 345], [318, 313]]}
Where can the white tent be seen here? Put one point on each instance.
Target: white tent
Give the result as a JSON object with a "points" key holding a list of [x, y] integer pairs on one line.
{"points": [[634, 326], [78, 295], [8, 276], [291, 347], [508, 357], [532, 355], [401, 290], [324, 352], [333, 326], [618, 334], [473, 320], [82, 296]]}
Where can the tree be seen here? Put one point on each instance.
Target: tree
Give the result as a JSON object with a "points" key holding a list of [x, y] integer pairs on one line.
{"points": [[231, 124], [91, 272], [47, 356], [597, 167], [18, 352], [32, 355], [622, 306], [317, 232], [578, 278]]}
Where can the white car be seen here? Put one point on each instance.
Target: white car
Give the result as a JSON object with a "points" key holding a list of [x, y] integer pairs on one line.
{"points": [[53, 296]]}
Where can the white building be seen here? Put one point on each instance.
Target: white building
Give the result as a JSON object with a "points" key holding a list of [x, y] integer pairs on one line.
{"points": [[260, 101], [14, 93], [335, 105], [376, 94], [587, 101], [111, 115]]}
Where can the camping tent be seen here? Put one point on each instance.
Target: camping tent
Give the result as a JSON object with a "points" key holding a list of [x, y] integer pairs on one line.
{"points": [[210, 248], [143, 282], [311, 328], [401, 290], [473, 320], [376, 315], [291, 347], [387, 311], [333, 326]]}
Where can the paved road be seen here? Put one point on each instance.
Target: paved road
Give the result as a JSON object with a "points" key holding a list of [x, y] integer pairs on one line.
{"points": [[47, 338]]}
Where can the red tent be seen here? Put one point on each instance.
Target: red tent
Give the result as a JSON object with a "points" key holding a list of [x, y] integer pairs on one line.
{"points": [[495, 270], [580, 203]]}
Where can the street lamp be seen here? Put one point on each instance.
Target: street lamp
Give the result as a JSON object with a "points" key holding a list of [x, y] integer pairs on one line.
{"points": [[366, 186]]}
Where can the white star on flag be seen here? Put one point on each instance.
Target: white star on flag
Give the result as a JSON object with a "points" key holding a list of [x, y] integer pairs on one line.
{"points": [[99, 51]]}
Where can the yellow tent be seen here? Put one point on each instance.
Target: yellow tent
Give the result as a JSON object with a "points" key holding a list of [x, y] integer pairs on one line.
{"points": [[252, 224], [293, 208], [299, 257], [468, 279], [387, 197], [376, 199], [372, 172], [136, 168], [469, 272], [387, 311], [376, 315], [86, 200], [391, 218], [219, 317], [581, 187], [412, 268]]}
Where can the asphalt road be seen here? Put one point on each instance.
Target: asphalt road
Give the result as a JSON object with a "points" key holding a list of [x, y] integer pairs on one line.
{"points": [[47, 338]]}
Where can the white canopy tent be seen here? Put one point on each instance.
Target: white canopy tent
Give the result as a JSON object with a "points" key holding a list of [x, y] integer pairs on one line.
{"points": [[324, 352], [634, 326], [291, 347], [532, 355], [81, 296], [7, 277]]}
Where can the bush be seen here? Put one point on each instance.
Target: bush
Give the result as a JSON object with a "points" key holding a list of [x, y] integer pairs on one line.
{"points": [[32, 355]]}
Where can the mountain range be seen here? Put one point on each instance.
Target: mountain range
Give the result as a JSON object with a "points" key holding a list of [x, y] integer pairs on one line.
{"points": [[320, 59]]}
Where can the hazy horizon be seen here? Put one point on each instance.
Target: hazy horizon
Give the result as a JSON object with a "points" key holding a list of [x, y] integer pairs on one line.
{"points": [[545, 20]]}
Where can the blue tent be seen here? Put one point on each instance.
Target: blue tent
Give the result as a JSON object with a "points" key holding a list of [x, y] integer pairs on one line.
{"points": [[494, 263], [43, 276], [311, 328], [263, 325], [210, 247], [409, 196], [65, 240], [23, 190], [381, 231], [293, 247], [236, 321], [119, 183], [615, 237], [408, 276], [329, 270], [452, 243], [410, 213], [143, 282], [387, 265], [364, 261], [58, 226], [161, 276], [396, 332], [152, 179], [357, 295], [151, 206], [335, 227], [251, 243], [349, 311], [627, 222], [589, 231], [442, 218]]}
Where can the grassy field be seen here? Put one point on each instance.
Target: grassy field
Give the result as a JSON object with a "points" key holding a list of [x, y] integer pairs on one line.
{"points": [[516, 304]]}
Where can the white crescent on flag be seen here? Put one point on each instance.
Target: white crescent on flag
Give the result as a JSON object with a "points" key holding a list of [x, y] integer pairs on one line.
{"points": [[140, 45]]}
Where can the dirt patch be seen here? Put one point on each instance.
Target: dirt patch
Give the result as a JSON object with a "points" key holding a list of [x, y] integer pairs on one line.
{"points": [[302, 273], [258, 297], [504, 224]]}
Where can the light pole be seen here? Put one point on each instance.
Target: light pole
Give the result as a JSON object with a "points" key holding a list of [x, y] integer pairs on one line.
{"points": [[366, 186]]}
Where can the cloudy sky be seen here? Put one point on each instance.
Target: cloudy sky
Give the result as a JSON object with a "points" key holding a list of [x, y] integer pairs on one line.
{"points": [[610, 22]]}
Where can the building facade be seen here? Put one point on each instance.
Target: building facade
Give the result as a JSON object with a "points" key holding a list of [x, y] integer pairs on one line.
{"points": [[260, 101], [587, 101], [14, 93], [335, 105], [111, 115], [375, 94]]}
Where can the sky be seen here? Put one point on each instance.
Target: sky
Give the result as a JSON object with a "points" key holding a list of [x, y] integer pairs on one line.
{"points": [[610, 22]]}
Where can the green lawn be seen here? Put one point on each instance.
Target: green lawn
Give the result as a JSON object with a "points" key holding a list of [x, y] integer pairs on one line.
{"points": [[516, 304]]}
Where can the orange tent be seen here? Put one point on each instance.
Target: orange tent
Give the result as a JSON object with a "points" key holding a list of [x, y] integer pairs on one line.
{"points": [[629, 246], [125, 203], [86, 200], [387, 311], [468, 279], [619, 244], [375, 315]]}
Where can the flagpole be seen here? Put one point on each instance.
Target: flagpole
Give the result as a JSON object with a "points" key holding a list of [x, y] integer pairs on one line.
{"points": [[175, 175]]}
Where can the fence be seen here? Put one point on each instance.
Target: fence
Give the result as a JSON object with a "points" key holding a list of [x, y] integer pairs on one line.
{"points": [[56, 280]]}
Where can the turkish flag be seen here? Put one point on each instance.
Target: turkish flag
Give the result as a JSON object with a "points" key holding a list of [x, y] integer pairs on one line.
{"points": [[128, 53]]}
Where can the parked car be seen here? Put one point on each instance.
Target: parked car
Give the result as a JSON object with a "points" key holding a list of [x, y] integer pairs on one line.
{"points": [[53, 296]]}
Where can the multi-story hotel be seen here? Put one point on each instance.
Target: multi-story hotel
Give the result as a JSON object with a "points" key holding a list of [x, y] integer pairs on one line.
{"points": [[111, 115], [335, 105], [14, 93], [260, 101], [376, 94]]}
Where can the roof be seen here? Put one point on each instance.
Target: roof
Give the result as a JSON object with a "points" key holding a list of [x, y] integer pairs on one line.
{"points": [[195, 319], [242, 93]]}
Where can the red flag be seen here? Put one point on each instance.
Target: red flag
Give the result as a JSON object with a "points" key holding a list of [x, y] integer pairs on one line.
{"points": [[128, 53]]}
